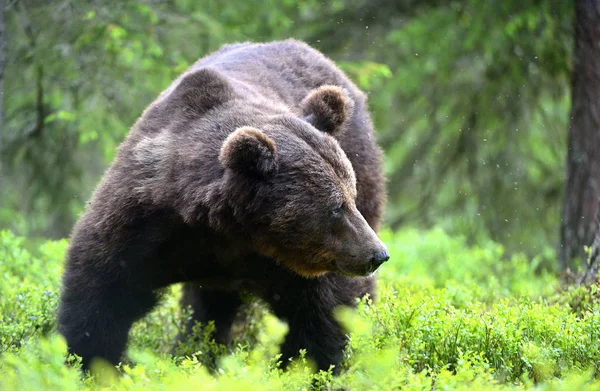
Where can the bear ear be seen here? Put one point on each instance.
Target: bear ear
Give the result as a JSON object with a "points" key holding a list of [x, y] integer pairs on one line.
{"points": [[328, 109], [201, 90], [249, 151]]}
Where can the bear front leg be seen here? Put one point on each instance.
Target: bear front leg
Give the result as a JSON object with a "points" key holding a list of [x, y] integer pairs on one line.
{"points": [[209, 304], [308, 307], [95, 315]]}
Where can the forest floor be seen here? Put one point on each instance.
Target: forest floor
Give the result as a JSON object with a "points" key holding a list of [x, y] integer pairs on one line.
{"points": [[448, 316]]}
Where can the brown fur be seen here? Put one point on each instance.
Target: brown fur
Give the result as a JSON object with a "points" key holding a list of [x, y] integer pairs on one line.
{"points": [[328, 108], [249, 150], [255, 171]]}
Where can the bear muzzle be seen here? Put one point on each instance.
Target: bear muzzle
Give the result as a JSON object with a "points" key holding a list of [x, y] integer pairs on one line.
{"points": [[378, 259], [363, 266], [362, 252]]}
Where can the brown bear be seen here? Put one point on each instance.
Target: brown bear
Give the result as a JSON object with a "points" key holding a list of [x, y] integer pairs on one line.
{"points": [[255, 171]]}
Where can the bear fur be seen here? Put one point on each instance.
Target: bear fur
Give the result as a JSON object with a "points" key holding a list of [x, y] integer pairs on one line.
{"points": [[255, 171]]}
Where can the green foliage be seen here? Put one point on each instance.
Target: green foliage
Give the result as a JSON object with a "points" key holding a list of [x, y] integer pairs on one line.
{"points": [[28, 290], [482, 97], [448, 261], [447, 315]]}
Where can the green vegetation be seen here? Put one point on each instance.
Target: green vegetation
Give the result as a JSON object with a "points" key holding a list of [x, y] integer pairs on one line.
{"points": [[448, 315]]}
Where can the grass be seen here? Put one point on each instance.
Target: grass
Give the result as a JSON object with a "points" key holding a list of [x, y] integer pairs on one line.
{"points": [[448, 316]]}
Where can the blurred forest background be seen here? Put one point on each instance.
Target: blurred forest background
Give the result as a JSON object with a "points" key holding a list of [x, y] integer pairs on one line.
{"points": [[471, 99]]}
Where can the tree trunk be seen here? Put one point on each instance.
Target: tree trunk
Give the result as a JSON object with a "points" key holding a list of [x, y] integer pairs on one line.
{"points": [[590, 275], [2, 45], [582, 185]]}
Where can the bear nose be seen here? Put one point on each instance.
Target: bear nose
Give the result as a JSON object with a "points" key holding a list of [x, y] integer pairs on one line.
{"points": [[379, 258]]}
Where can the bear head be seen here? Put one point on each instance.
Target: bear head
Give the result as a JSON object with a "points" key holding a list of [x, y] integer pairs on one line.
{"points": [[292, 186]]}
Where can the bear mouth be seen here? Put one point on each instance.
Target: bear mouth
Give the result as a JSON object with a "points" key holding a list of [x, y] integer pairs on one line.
{"points": [[359, 270]]}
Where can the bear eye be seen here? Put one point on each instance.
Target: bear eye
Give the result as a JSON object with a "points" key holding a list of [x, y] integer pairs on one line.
{"points": [[336, 211]]}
